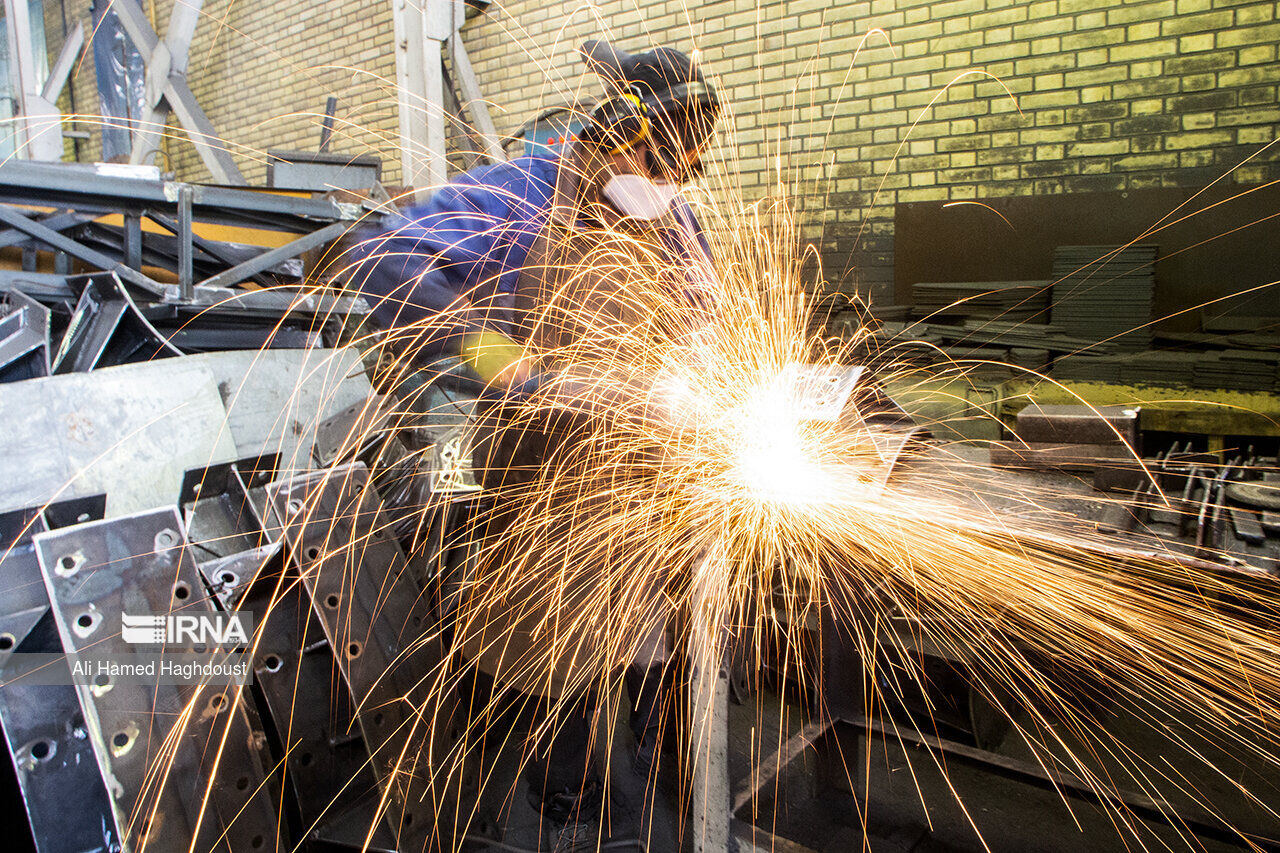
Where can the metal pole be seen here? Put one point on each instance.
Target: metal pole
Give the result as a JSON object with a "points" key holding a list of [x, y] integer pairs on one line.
{"points": [[708, 711], [185, 279]]}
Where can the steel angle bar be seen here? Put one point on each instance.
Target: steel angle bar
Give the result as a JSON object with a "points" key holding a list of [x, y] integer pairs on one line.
{"points": [[93, 323], [228, 577], [60, 221], [327, 772], [62, 243], [24, 337], [349, 433], [372, 614], [273, 303], [166, 798], [216, 507], [109, 188], [270, 258], [43, 287]]}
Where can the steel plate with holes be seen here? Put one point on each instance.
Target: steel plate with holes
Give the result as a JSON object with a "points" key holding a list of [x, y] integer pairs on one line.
{"points": [[821, 392], [141, 564], [372, 613], [326, 769]]}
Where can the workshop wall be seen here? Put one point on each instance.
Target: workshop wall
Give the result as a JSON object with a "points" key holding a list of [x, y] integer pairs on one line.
{"points": [[262, 72], [1113, 97], [1110, 96]]}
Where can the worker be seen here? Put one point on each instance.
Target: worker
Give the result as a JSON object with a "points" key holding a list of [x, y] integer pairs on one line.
{"points": [[476, 271]]}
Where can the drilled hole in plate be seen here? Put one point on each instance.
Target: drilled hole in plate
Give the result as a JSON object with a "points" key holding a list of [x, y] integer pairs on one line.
{"points": [[85, 620], [272, 663], [228, 578], [408, 818], [353, 650], [242, 783], [42, 750], [378, 719], [305, 759], [67, 562], [312, 552], [295, 506], [120, 740], [7, 642], [332, 601], [101, 679], [181, 591], [257, 841], [218, 702]]}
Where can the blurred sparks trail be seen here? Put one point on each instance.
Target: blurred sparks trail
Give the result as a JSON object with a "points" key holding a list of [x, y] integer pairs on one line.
{"points": [[670, 476], [679, 478]]}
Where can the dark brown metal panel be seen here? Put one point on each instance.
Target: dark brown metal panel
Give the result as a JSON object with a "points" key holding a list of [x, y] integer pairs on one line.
{"points": [[1212, 252]]}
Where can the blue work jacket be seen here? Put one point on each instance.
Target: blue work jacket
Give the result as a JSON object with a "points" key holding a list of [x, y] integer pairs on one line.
{"points": [[462, 250]]}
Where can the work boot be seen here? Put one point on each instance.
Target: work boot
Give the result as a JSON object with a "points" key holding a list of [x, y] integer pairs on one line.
{"points": [[649, 690], [575, 820]]}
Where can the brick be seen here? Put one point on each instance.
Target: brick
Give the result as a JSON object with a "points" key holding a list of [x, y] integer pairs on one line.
{"points": [[1043, 64], [1183, 24], [1198, 139], [1192, 44], [1098, 149], [1146, 124], [1145, 88], [1245, 36], [1144, 50], [1140, 12], [1252, 55], [1202, 101], [1199, 64], [1249, 76], [1051, 168], [1145, 162]]}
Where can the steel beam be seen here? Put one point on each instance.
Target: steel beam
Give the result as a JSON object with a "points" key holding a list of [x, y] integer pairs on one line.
{"points": [[212, 149], [57, 221], [472, 101], [62, 66], [270, 258], [168, 58], [109, 189], [62, 243]]}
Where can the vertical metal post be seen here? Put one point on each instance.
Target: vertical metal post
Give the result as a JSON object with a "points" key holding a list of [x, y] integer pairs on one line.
{"points": [[326, 129], [708, 712], [421, 28], [21, 69], [133, 241], [186, 287]]}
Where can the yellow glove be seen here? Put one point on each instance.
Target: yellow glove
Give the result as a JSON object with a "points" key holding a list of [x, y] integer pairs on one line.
{"points": [[492, 355]]}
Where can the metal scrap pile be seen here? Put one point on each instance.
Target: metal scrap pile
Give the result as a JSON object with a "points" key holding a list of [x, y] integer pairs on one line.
{"points": [[179, 440]]}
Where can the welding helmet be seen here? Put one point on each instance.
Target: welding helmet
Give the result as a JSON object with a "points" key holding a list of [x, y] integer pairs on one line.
{"points": [[660, 97]]}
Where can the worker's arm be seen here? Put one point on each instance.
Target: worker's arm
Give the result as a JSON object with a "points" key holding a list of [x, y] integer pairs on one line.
{"points": [[454, 258]]}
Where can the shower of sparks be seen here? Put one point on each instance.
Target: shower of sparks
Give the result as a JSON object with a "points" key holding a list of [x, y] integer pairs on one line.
{"points": [[665, 478]]}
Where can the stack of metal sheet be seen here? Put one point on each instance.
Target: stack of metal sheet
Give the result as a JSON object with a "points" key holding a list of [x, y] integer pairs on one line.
{"points": [[1011, 301], [1238, 370], [1104, 293]]}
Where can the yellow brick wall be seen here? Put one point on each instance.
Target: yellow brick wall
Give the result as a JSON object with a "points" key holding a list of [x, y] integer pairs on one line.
{"points": [[262, 70], [1109, 95]]}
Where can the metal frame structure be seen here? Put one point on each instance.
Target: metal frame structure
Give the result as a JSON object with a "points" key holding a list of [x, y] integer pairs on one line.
{"points": [[424, 31], [210, 275]]}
